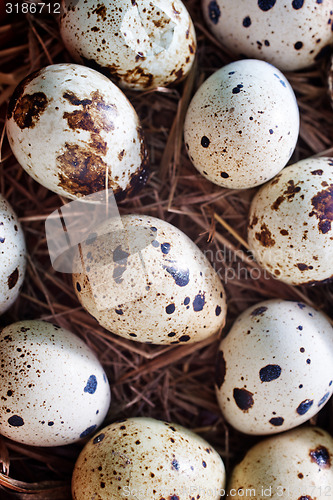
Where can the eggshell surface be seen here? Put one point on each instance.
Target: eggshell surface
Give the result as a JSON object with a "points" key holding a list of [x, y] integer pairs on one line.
{"points": [[53, 389], [296, 464], [274, 369], [76, 133], [291, 34], [242, 124], [179, 299], [12, 255], [147, 458], [290, 223], [140, 44]]}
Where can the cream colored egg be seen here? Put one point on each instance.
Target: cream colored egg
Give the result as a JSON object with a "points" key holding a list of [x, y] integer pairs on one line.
{"points": [[274, 369], [242, 124], [291, 34], [163, 291], [12, 255], [76, 133], [53, 389], [141, 44], [295, 465], [141, 458], [290, 223]]}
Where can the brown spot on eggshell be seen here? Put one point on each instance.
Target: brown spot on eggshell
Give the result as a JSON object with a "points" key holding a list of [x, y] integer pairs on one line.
{"points": [[29, 108], [100, 11], [82, 171], [253, 222], [288, 194], [19, 92], [322, 204], [265, 236]]}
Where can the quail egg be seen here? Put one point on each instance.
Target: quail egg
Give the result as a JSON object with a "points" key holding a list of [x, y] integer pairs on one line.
{"points": [[162, 290], [53, 389], [296, 464], [242, 124], [274, 369], [290, 223], [140, 44], [76, 133], [147, 458], [12, 255], [290, 34]]}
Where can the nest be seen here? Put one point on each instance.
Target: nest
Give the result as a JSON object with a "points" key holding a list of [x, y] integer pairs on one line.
{"points": [[174, 383]]}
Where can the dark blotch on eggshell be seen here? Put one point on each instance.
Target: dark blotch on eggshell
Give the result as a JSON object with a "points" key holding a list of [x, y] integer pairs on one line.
{"points": [[170, 308], [165, 248], [19, 91], [276, 421], [205, 142], [266, 5], [322, 204], [29, 108], [259, 310], [199, 302], [91, 385], [321, 456], [13, 278], [99, 438], [220, 369], [243, 398], [214, 12], [16, 421], [297, 4], [304, 406], [247, 21], [88, 431], [269, 373], [324, 399], [181, 276], [265, 236]]}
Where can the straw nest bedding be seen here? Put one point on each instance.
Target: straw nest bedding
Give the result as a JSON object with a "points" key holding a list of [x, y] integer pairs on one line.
{"points": [[171, 383]]}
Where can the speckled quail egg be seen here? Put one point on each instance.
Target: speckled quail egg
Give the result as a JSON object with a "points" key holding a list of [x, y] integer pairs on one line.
{"points": [[174, 297], [76, 133], [12, 255], [296, 464], [139, 458], [274, 369], [290, 223], [141, 44], [242, 124], [291, 34], [53, 388]]}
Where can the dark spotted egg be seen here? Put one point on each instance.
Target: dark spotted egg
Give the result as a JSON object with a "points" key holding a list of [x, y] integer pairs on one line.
{"points": [[12, 255], [76, 133], [150, 284], [290, 229], [144, 458], [297, 464], [53, 389], [242, 124], [291, 34], [141, 44], [274, 369]]}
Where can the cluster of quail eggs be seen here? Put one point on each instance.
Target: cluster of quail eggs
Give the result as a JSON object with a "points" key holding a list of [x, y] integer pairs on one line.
{"points": [[75, 132]]}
